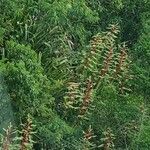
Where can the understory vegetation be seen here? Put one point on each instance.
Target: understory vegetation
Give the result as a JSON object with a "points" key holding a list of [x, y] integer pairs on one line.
{"points": [[74, 74]]}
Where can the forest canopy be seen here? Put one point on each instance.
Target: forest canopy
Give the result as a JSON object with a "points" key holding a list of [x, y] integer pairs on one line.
{"points": [[74, 75]]}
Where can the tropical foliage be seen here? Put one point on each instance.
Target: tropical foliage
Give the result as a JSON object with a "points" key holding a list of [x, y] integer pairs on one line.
{"points": [[74, 74]]}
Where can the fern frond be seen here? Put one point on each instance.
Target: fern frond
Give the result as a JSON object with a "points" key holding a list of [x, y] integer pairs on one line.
{"points": [[88, 136], [108, 140], [72, 95], [122, 70], [27, 131], [108, 60], [92, 57], [121, 60], [86, 98], [6, 142]]}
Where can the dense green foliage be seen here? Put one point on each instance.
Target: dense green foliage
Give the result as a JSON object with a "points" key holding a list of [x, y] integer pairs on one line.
{"points": [[79, 69]]}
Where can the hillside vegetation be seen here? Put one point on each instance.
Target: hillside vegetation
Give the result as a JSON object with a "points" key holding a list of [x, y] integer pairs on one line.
{"points": [[74, 74]]}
